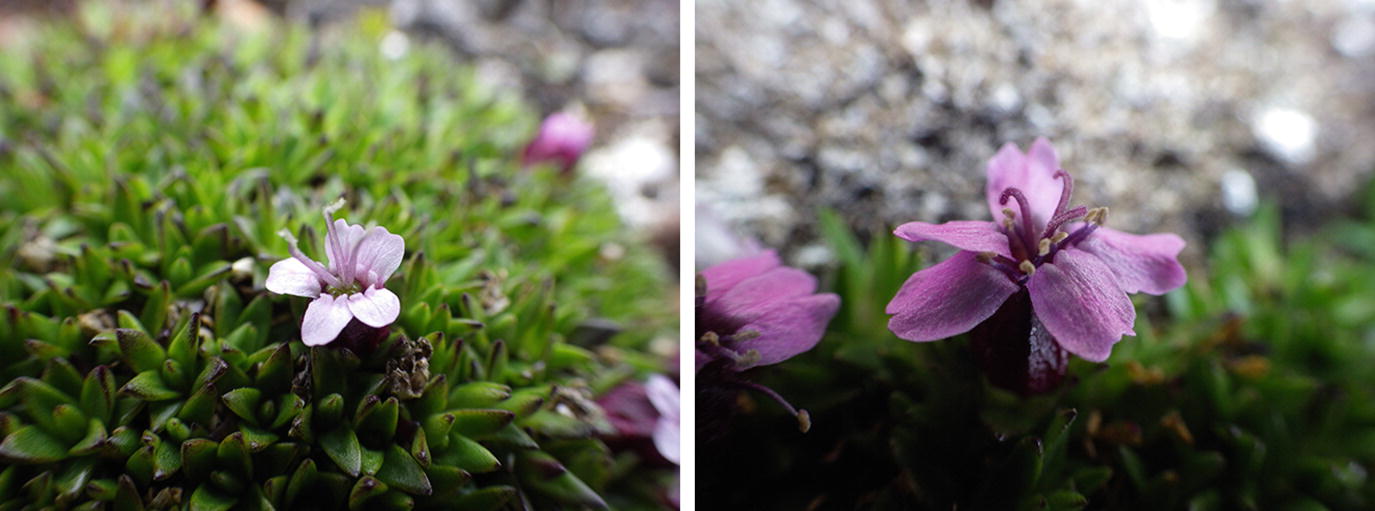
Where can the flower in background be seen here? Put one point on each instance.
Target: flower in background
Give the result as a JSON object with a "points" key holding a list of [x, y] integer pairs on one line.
{"points": [[1045, 280], [646, 411], [753, 311], [360, 262], [561, 140]]}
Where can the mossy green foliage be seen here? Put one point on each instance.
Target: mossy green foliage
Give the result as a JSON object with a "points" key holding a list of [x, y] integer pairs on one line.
{"points": [[1250, 388], [145, 167]]}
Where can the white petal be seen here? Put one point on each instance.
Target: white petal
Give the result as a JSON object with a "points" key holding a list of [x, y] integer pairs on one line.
{"points": [[376, 307], [325, 318], [379, 252], [291, 277]]}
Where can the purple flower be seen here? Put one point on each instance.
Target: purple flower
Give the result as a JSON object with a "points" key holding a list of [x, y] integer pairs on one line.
{"points": [[648, 410], [1046, 278], [753, 311], [562, 138], [360, 262]]}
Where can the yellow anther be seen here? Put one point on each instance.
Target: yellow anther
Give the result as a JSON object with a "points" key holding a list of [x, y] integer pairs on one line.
{"points": [[985, 257], [1027, 267], [1059, 236], [1103, 215], [1008, 212], [1044, 248], [1007, 224]]}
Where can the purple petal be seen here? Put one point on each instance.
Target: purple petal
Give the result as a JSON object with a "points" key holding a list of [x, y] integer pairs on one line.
{"points": [[948, 299], [972, 235], [747, 298], [562, 138], [1143, 263], [788, 327], [722, 277], [376, 307], [349, 236], [291, 277], [1032, 173], [379, 252], [1078, 300], [326, 316]]}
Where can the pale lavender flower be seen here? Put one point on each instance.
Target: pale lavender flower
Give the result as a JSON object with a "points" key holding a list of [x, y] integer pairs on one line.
{"points": [[562, 139], [1070, 274], [360, 262], [645, 412]]}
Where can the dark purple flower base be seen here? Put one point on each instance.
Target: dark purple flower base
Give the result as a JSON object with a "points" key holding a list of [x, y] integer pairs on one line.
{"points": [[360, 338], [1016, 352]]}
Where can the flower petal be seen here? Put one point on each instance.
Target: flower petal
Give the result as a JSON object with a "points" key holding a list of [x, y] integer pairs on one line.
{"points": [[1143, 263], [722, 277], [349, 236], [376, 307], [745, 300], [1032, 173], [666, 438], [1078, 300], [326, 316], [788, 327], [972, 235], [291, 277], [948, 299], [663, 393], [379, 252]]}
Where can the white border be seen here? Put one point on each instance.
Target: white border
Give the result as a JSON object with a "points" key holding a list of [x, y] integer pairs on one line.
{"points": [[687, 369]]}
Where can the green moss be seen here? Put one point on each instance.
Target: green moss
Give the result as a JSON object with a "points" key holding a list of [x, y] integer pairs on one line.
{"points": [[146, 167]]}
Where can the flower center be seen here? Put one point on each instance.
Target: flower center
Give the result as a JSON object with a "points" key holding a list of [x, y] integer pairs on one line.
{"points": [[1031, 247], [349, 289]]}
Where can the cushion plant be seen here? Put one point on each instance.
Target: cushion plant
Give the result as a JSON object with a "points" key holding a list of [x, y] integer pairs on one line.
{"points": [[146, 169]]}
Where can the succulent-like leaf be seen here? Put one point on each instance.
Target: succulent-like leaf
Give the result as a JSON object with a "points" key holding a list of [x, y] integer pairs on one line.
{"points": [[341, 445], [31, 445]]}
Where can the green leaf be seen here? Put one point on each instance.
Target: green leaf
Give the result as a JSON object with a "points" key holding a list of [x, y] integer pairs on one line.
{"points": [[480, 422], [401, 471], [140, 351], [341, 445], [207, 499], [148, 386], [30, 445]]}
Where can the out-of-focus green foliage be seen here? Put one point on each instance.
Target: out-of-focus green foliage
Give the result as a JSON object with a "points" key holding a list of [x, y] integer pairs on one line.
{"points": [[147, 160], [1253, 387]]}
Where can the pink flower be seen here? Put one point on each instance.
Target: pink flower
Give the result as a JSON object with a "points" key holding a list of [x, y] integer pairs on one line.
{"points": [[646, 410], [1071, 274], [753, 311], [360, 262], [562, 139]]}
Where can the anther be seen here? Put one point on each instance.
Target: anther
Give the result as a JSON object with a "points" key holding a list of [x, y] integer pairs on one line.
{"points": [[1092, 216], [711, 338], [1027, 268], [1059, 236], [985, 257], [1008, 212], [1044, 248], [804, 421]]}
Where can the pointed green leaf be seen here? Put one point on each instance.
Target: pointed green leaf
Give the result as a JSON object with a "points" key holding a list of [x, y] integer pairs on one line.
{"points": [[341, 445], [401, 471], [148, 386], [30, 445]]}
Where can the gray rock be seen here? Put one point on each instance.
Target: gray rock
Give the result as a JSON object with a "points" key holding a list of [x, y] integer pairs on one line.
{"points": [[888, 110]]}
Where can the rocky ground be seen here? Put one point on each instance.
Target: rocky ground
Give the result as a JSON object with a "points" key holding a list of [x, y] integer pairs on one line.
{"points": [[1175, 113]]}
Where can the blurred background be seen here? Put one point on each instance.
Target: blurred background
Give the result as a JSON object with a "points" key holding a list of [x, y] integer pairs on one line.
{"points": [[611, 62], [1177, 114]]}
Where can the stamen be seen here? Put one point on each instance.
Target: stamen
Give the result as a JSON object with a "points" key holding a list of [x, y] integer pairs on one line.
{"points": [[1026, 212], [1044, 248], [985, 257], [1059, 236], [1103, 215], [315, 267], [711, 338], [804, 419], [1061, 218], [1009, 213], [1065, 191], [345, 267], [1027, 268]]}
